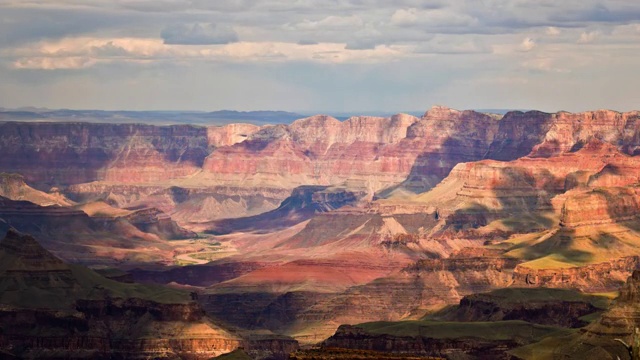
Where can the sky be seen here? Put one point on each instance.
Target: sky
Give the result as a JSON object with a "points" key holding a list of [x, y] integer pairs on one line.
{"points": [[320, 55]]}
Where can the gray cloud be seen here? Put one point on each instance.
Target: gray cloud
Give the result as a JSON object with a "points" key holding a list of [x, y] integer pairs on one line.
{"points": [[361, 44], [600, 13], [198, 34], [453, 45], [307, 42]]}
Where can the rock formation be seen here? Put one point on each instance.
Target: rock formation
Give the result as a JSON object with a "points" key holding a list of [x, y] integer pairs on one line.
{"points": [[340, 221], [49, 308], [556, 307], [74, 235], [444, 340]]}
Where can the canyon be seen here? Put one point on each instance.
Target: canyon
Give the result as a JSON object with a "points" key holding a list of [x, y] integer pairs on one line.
{"points": [[296, 230]]}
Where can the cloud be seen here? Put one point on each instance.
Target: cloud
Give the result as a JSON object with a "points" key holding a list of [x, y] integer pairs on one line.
{"points": [[365, 39], [544, 65], [80, 53], [588, 37], [552, 31], [453, 45], [527, 44], [154, 6], [431, 18], [349, 41], [109, 50], [48, 63], [403, 17], [198, 34], [597, 12], [329, 22], [361, 44]]}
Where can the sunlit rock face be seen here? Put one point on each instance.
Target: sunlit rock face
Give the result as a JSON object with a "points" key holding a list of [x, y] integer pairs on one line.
{"points": [[242, 169]]}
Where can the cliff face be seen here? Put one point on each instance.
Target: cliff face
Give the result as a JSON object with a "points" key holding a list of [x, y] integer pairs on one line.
{"points": [[13, 186], [253, 168], [444, 340], [613, 336], [557, 307], [115, 328], [488, 190], [73, 234], [573, 130], [373, 153], [601, 206], [591, 278], [228, 135], [49, 309], [352, 337], [71, 153]]}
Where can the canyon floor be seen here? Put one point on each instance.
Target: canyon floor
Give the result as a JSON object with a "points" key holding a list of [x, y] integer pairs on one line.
{"points": [[457, 234]]}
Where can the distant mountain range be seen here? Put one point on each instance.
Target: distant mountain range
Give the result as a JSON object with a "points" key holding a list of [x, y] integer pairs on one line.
{"points": [[221, 117]]}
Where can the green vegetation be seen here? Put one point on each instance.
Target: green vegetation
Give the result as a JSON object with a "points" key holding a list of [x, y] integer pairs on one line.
{"points": [[34, 278], [565, 248], [498, 330], [181, 262], [526, 295], [209, 256], [546, 349], [161, 294], [60, 290], [237, 354]]}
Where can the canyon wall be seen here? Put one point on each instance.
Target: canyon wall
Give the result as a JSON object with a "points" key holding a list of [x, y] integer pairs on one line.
{"points": [[71, 153], [242, 169]]}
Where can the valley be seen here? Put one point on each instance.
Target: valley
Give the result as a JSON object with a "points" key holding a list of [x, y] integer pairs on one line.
{"points": [[458, 234]]}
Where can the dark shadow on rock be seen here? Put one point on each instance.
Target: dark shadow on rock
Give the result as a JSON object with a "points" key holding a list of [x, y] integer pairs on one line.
{"points": [[304, 203]]}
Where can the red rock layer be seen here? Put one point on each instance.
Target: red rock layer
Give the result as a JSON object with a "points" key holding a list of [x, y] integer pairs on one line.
{"points": [[71, 153], [376, 152], [590, 278]]}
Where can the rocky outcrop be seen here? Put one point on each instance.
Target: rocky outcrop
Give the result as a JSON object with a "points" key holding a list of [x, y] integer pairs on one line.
{"points": [[185, 204], [614, 336], [600, 277], [304, 203], [570, 131], [532, 194], [231, 134], [375, 155], [49, 309], [322, 150], [409, 294], [468, 259], [154, 221], [432, 339], [601, 206], [95, 239], [557, 307], [13, 186]]}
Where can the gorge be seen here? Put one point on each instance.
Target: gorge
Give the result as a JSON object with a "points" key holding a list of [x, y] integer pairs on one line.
{"points": [[368, 234]]}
